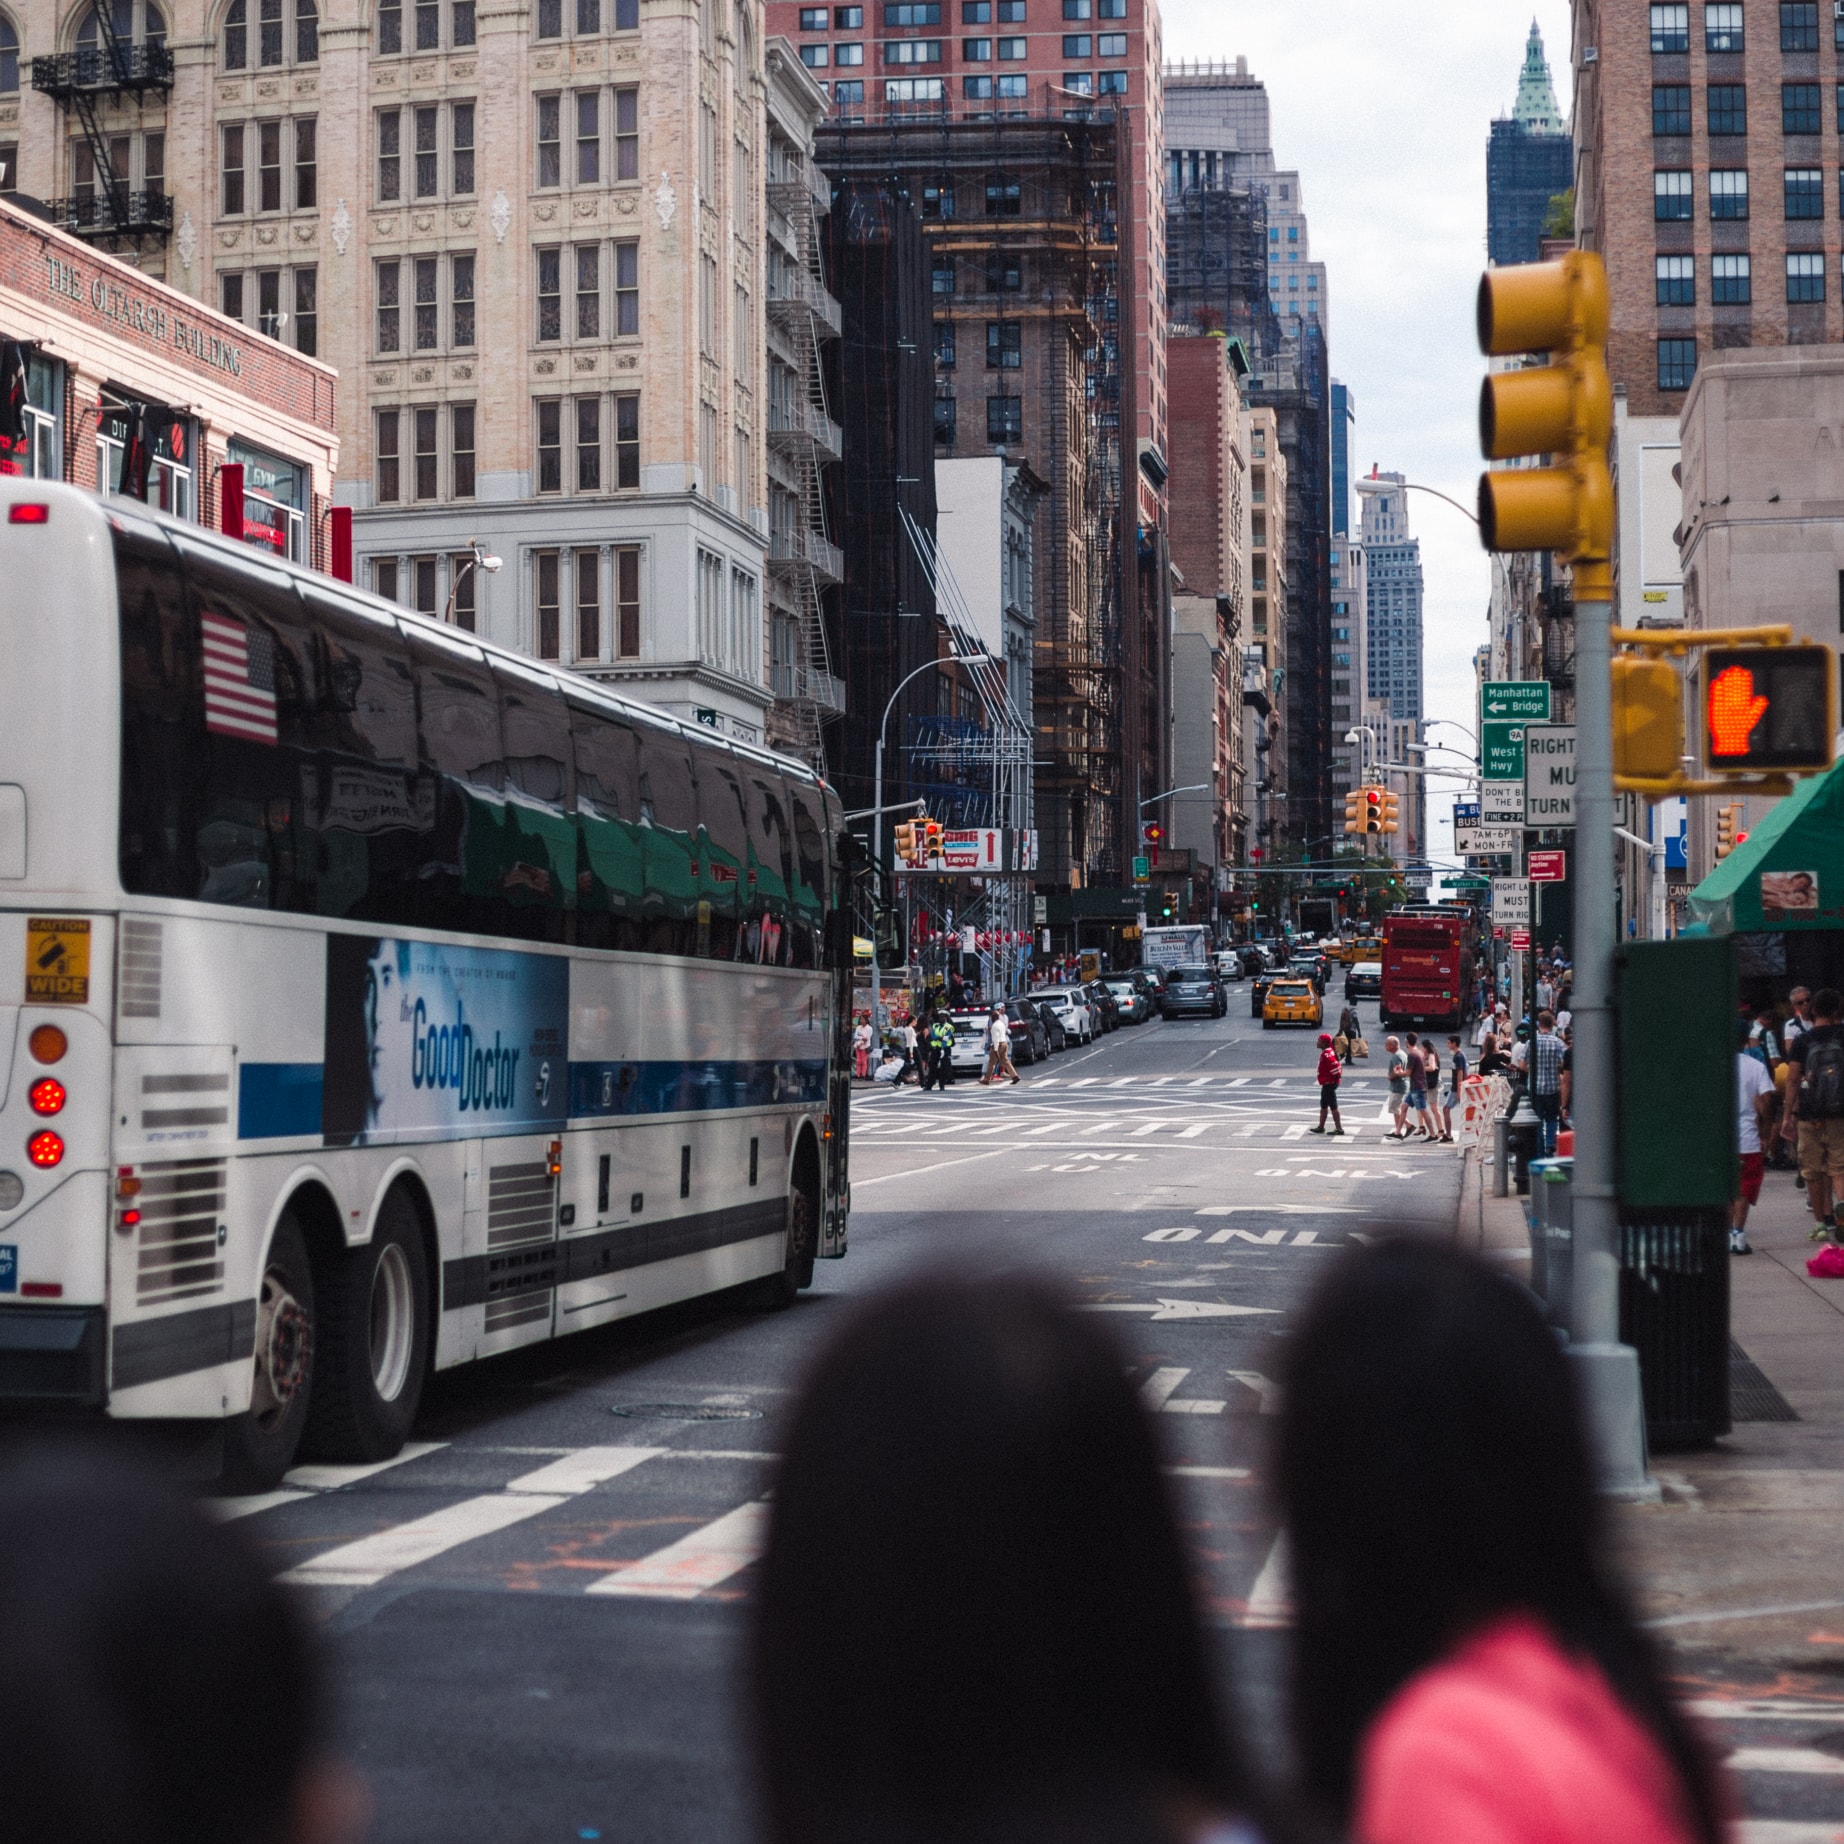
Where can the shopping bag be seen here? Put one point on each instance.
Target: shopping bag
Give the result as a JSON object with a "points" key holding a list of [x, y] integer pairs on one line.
{"points": [[1359, 1049]]}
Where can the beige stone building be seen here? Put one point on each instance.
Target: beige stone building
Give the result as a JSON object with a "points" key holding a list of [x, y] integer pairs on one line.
{"points": [[528, 234]]}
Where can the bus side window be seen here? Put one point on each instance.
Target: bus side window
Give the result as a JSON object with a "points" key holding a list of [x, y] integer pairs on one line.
{"points": [[259, 678], [163, 733], [538, 878], [725, 853], [772, 849], [669, 800], [810, 874], [610, 875]]}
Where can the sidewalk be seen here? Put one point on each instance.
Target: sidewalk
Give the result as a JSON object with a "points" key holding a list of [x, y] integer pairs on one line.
{"points": [[1742, 1564]]}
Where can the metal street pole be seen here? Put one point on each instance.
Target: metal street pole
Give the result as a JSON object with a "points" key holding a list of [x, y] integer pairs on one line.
{"points": [[1606, 1371]]}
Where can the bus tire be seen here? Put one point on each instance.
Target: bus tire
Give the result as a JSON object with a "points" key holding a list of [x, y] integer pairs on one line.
{"points": [[781, 1289], [260, 1444], [374, 1340]]}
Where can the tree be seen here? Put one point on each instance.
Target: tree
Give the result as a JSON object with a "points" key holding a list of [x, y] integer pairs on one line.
{"points": [[1561, 219]]}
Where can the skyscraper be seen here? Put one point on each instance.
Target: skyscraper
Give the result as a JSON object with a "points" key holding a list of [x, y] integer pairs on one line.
{"points": [[1392, 559], [1529, 159], [1344, 415]]}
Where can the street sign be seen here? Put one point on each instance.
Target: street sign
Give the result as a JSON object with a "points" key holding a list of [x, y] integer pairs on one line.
{"points": [[1520, 941], [1548, 867], [1464, 810], [1142, 871], [1502, 757], [1502, 802], [1469, 883], [1490, 841], [1549, 780], [1511, 900], [1526, 700]]}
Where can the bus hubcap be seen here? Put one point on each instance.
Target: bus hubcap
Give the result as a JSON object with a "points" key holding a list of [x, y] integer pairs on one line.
{"points": [[392, 1323], [283, 1340]]}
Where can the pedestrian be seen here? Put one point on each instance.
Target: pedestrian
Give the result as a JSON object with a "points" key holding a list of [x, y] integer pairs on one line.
{"points": [[938, 1051], [159, 1683], [1418, 1089], [1431, 1088], [861, 1049], [910, 1042], [1800, 1022], [1815, 1103], [1754, 1104], [1330, 1073], [1398, 1072], [999, 1048], [1492, 1060], [1456, 1061], [1467, 1669], [1350, 1030], [1545, 1064], [974, 1569]]}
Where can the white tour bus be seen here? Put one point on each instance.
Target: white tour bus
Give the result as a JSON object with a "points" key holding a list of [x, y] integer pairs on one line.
{"points": [[373, 999]]}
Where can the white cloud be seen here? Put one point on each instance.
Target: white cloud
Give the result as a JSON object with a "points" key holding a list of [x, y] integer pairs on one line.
{"points": [[1386, 112]]}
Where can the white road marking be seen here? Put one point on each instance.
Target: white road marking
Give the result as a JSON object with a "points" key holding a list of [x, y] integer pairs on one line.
{"points": [[1269, 1238], [1209, 1472], [1789, 1831], [1270, 1393], [1744, 1613], [331, 1478], [1184, 1232], [1297, 1131], [1185, 1309], [1765, 1709], [1784, 1761], [858, 1184], [368, 1561], [702, 1560], [1271, 1598], [584, 1469], [1151, 1127], [223, 1510], [1240, 1081], [1157, 1389]]}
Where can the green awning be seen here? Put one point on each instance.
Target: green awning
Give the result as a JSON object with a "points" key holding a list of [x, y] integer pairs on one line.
{"points": [[1790, 871]]}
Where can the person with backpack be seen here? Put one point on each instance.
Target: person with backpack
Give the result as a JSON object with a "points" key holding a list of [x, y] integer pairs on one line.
{"points": [[1815, 1103], [1331, 1072]]}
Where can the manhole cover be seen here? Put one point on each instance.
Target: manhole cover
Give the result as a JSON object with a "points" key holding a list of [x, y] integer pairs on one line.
{"points": [[683, 1411]]}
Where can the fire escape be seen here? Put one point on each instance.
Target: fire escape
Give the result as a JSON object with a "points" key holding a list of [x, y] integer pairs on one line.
{"points": [[802, 439], [108, 211]]}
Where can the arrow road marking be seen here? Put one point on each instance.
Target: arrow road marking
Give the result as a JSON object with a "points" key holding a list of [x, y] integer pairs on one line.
{"points": [[1184, 1309]]}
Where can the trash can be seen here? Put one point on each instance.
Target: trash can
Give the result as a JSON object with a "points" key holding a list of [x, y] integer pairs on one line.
{"points": [[1552, 1235], [1520, 1140], [1674, 1311]]}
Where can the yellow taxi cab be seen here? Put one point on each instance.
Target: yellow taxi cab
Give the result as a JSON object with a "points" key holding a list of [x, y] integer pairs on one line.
{"points": [[1365, 947], [1292, 1002]]}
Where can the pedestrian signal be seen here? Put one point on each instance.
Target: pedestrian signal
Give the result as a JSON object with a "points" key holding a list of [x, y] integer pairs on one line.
{"points": [[1768, 708], [1563, 410], [1648, 718]]}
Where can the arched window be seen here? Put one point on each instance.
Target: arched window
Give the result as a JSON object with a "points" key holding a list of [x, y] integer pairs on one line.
{"points": [[9, 58], [237, 35], [257, 33], [138, 22]]}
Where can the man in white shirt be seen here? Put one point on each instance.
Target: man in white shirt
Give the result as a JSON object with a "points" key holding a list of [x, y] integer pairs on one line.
{"points": [[999, 1048], [1754, 1103]]}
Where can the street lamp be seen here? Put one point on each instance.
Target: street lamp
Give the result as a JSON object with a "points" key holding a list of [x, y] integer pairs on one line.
{"points": [[1196, 787], [478, 557]]}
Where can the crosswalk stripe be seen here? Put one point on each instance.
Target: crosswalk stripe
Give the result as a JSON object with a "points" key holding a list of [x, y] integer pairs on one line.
{"points": [[1785, 1761], [585, 1469], [1123, 1081], [1191, 1133], [224, 1510], [1240, 1081], [365, 1563], [1157, 1389], [330, 1478], [1203, 1082], [1149, 1128], [1296, 1132], [1270, 1600], [1790, 1831], [707, 1557]]}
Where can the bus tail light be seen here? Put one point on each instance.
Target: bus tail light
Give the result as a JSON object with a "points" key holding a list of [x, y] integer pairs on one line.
{"points": [[47, 1044], [126, 1183], [47, 1095], [554, 1158], [29, 512], [45, 1150]]}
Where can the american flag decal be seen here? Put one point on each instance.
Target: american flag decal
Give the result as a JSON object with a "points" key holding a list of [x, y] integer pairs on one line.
{"points": [[239, 679]]}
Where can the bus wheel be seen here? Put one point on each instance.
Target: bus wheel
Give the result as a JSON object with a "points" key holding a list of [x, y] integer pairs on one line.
{"points": [[802, 1245], [374, 1341], [259, 1445]]}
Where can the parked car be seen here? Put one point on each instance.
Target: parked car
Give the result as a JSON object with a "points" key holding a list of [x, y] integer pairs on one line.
{"points": [[1258, 993], [1103, 1002], [1072, 1006], [1193, 989], [1129, 997], [1364, 980], [1054, 1033], [969, 1052], [1228, 963], [1292, 1001], [1030, 1040]]}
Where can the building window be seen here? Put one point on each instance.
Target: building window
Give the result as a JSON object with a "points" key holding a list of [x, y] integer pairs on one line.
{"points": [[384, 578], [1077, 45], [428, 25], [1677, 281], [1722, 27], [912, 12], [1730, 282], [427, 311], [1079, 82], [627, 133], [268, 166], [1805, 275], [550, 146], [627, 601], [1004, 195], [426, 419], [901, 51], [588, 291], [1800, 109], [1728, 193], [938, 198], [1005, 419], [813, 19], [589, 444], [627, 288], [1805, 192], [550, 294], [384, 460], [848, 18], [389, 304], [944, 344], [941, 274], [815, 57], [588, 605], [1671, 199], [550, 445], [422, 576], [1677, 363], [979, 89], [1111, 83], [426, 154], [307, 311], [1670, 29], [627, 442], [1011, 50], [390, 27], [230, 171], [1728, 108], [1671, 108], [1798, 25], [390, 155], [1004, 345], [848, 94], [588, 137], [461, 299], [306, 170], [976, 51], [463, 579], [461, 449], [1004, 273], [547, 635], [1111, 45], [1013, 89]]}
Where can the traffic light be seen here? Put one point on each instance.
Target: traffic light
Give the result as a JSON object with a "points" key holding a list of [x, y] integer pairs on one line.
{"points": [[1726, 839], [1563, 410], [1373, 810], [1648, 718], [930, 841], [1354, 811], [1392, 816], [907, 841], [1768, 708], [1151, 833], [1168, 905]]}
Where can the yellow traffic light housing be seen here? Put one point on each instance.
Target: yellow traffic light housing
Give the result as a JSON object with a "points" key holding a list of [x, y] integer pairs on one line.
{"points": [[906, 841], [1768, 708], [1648, 717], [1563, 410], [1373, 810], [1725, 830], [1354, 811], [1392, 813], [931, 841]]}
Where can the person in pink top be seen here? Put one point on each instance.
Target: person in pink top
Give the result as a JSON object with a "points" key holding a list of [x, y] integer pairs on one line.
{"points": [[1466, 1669]]}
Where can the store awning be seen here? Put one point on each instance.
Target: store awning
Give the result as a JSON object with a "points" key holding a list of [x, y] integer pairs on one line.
{"points": [[1789, 873]]}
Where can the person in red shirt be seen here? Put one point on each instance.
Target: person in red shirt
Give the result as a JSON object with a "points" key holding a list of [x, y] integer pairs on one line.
{"points": [[1331, 1071], [1467, 1669]]}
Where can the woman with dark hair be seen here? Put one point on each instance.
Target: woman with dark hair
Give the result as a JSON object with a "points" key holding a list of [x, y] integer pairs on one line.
{"points": [[975, 1618], [1465, 1667]]}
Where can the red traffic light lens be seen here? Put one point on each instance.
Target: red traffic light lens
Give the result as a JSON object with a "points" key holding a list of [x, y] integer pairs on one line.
{"points": [[45, 1150], [47, 1095]]}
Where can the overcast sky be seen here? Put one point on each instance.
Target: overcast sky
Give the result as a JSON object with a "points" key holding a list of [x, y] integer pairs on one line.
{"points": [[1385, 111]]}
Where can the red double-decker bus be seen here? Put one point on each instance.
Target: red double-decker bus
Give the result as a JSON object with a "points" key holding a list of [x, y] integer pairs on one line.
{"points": [[1427, 968]]}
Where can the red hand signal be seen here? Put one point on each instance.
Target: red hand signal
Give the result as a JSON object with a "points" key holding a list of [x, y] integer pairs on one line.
{"points": [[1734, 709]]}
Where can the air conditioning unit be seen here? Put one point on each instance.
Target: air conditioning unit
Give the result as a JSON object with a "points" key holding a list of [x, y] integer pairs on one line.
{"points": [[1837, 9]]}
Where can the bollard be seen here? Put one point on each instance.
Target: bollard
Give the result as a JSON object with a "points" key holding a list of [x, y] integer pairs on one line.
{"points": [[1501, 1157]]}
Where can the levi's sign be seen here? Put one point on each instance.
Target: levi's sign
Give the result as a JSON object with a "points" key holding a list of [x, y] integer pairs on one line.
{"points": [[1549, 776]]}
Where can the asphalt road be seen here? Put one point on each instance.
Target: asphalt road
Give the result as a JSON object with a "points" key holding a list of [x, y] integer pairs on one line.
{"points": [[536, 1612]]}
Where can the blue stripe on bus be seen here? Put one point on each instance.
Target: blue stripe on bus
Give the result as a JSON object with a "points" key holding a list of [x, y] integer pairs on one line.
{"points": [[278, 1100], [692, 1088]]}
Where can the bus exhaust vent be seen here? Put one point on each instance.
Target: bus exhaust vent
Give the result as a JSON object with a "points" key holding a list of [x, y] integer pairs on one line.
{"points": [[138, 994], [520, 1200], [177, 1253], [171, 1102], [520, 1309]]}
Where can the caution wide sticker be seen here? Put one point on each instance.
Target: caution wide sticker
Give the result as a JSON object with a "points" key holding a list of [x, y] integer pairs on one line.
{"points": [[57, 960]]}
